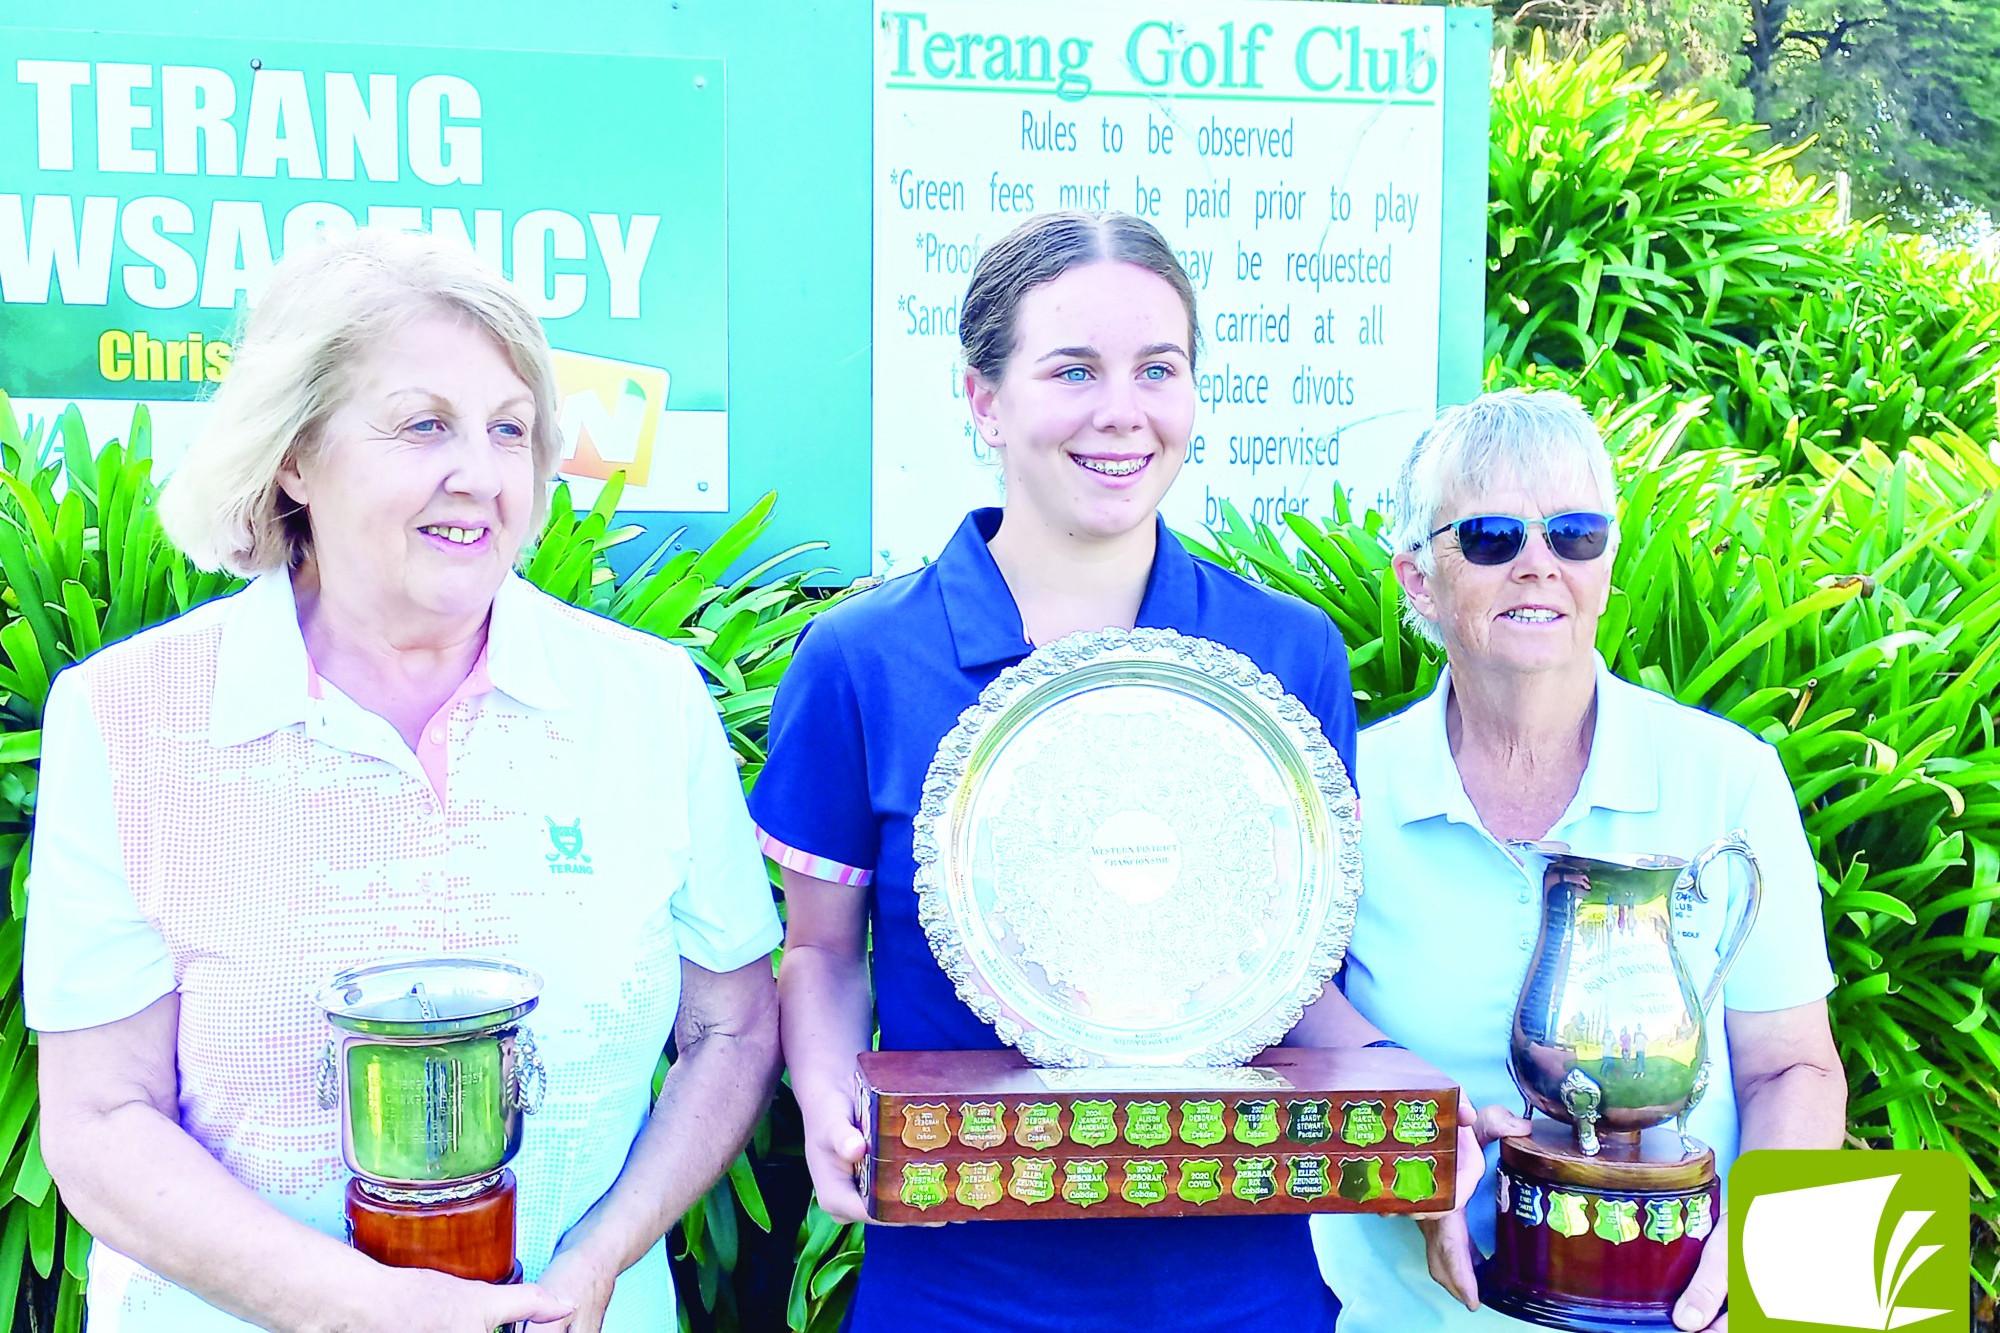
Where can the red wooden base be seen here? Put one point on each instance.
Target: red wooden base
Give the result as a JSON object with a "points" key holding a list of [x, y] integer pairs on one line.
{"points": [[1598, 1244], [469, 1238]]}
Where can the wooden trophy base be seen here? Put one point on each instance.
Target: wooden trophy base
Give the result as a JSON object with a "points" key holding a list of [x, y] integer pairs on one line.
{"points": [[471, 1236], [1598, 1244], [964, 1135]]}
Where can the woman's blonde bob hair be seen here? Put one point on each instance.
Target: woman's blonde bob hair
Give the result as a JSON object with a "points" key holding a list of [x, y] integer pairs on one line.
{"points": [[297, 361]]}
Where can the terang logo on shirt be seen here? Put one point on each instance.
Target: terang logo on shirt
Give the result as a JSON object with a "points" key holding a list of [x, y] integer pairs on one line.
{"points": [[568, 858]]}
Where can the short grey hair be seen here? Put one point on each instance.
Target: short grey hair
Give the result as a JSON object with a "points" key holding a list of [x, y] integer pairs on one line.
{"points": [[328, 305], [1524, 433]]}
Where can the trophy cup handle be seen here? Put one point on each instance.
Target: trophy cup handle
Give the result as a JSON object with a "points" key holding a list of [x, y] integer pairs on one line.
{"points": [[326, 1074], [1736, 843], [1695, 1094], [527, 1079]]}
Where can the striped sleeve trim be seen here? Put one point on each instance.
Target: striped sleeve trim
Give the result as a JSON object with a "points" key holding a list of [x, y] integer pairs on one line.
{"points": [[819, 867]]}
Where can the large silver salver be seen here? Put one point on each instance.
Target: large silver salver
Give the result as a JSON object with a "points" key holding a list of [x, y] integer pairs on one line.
{"points": [[1137, 849], [1609, 1034]]}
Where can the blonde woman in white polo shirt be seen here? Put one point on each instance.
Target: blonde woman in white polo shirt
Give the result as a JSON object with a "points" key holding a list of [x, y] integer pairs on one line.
{"points": [[1504, 543], [370, 752]]}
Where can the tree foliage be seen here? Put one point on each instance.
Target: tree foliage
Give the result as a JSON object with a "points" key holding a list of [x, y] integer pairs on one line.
{"points": [[1901, 95]]}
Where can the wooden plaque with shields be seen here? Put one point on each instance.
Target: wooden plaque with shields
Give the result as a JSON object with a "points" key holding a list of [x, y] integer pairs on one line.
{"points": [[1138, 858]]}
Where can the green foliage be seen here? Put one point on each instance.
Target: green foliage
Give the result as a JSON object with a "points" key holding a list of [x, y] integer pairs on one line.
{"points": [[1845, 612], [84, 564], [823, 1282], [740, 632], [1702, 40], [1897, 94], [1851, 617], [1638, 241]]}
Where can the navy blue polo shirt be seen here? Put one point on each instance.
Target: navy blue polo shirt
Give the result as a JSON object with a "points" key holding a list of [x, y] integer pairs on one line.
{"points": [[875, 685]]}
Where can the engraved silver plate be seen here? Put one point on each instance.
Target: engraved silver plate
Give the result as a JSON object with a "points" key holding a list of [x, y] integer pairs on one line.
{"points": [[1137, 849], [1158, 1078]]}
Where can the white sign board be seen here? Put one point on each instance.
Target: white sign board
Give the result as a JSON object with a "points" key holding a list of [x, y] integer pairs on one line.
{"points": [[1292, 154]]}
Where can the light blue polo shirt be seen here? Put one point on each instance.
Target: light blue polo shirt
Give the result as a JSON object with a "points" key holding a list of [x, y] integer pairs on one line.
{"points": [[1448, 920]]}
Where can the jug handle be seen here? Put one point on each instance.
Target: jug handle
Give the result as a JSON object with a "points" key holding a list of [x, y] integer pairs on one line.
{"points": [[1736, 843]]}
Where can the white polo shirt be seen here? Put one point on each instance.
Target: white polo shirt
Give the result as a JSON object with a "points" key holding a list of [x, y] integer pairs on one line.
{"points": [[216, 820], [1448, 921]]}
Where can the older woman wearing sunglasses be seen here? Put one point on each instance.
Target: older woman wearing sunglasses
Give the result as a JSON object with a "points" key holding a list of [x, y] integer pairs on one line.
{"points": [[1504, 540]]}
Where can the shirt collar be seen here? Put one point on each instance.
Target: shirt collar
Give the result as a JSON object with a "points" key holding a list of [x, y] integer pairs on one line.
{"points": [[517, 655], [1420, 781], [1170, 601], [1624, 768], [263, 677], [984, 620], [262, 674]]}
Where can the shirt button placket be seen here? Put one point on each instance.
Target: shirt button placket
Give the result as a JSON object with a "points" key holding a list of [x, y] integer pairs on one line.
{"points": [[434, 737]]}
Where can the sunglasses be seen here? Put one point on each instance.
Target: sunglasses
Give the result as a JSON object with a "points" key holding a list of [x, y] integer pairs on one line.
{"points": [[1495, 539]]}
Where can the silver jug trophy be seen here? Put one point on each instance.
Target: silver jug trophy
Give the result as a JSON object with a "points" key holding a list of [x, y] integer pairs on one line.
{"points": [[1609, 1034], [1602, 1211]]}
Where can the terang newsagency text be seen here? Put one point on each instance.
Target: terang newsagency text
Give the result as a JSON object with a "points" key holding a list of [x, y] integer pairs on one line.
{"points": [[364, 127]]}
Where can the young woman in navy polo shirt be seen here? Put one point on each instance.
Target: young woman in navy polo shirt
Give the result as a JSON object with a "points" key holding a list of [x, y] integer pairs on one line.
{"points": [[1079, 339]]}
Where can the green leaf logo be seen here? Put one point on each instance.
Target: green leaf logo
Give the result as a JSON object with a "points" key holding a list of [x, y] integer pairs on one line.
{"points": [[1834, 1239]]}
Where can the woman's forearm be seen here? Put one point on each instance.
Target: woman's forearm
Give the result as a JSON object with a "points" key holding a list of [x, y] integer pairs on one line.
{"points": [[1332, 1021], [828, 1017], [142, 1186], [720, 1084]]}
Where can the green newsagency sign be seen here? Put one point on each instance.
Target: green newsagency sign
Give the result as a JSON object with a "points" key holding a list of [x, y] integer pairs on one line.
{"points": [[698, 202]]}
